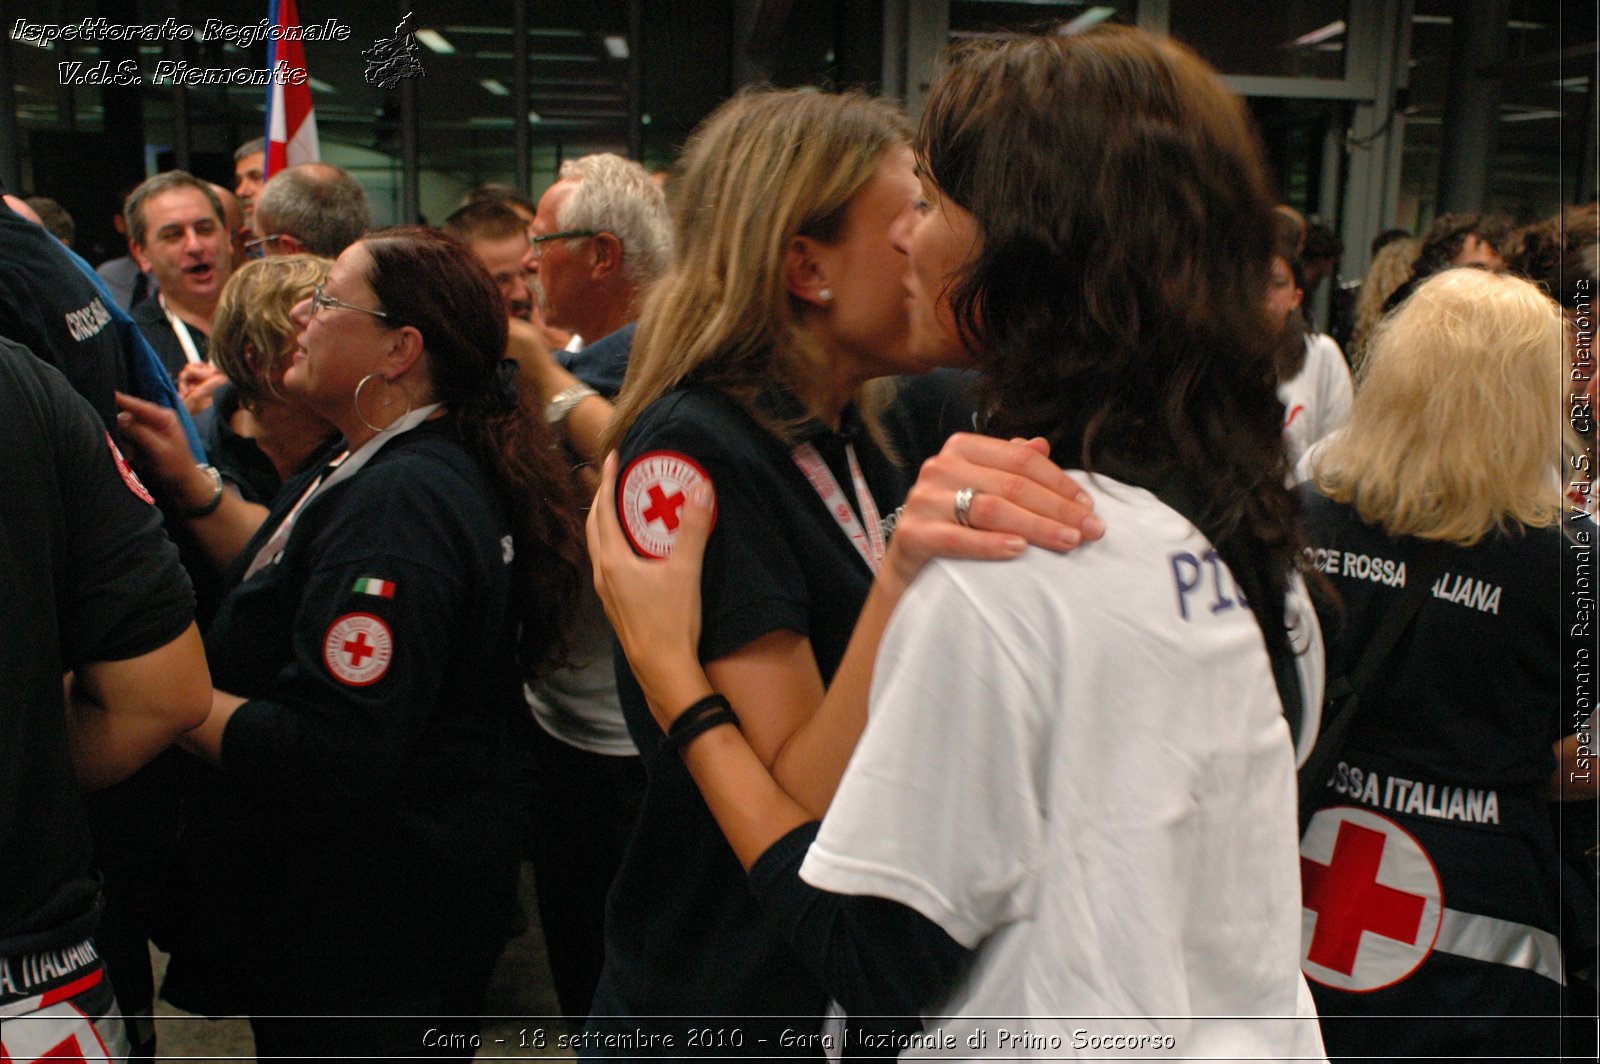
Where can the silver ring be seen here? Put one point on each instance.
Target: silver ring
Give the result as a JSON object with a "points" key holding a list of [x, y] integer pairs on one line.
{"points": [[964, 499]]}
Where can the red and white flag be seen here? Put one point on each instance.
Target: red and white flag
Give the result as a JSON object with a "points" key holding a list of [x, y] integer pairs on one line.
{"points": [[291, 121]]}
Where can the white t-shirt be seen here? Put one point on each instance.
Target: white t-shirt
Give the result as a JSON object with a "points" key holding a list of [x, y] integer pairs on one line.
{"points": [[578, 703], [1078, 765], [1317, 400]]}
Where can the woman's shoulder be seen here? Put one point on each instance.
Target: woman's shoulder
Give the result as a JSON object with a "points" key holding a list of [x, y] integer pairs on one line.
{"points": [[693, 417], [426, 467]]}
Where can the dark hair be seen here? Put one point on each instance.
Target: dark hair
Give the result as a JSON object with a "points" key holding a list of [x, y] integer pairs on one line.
{"points": [[431, 282], [1559, 253], [496, 192], [484, 219], [1387, 237], [133, 210], [1116, 301], [1321, 243], [1448, 235]]}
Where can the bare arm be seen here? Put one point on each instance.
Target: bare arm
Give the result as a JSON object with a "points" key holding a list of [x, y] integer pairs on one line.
{"points": [[120, 714], [791, 726], [543, 378], [155, 431]]}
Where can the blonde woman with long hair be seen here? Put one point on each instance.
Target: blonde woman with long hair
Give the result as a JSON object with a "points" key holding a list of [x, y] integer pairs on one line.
{"points": [[750, 381], [1447, 473]]}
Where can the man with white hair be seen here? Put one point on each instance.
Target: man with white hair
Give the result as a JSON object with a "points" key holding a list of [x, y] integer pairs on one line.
{"points": [[601, 237]]}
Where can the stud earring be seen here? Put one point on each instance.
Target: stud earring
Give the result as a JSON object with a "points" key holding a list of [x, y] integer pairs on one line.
{"points": [[826, 295]]}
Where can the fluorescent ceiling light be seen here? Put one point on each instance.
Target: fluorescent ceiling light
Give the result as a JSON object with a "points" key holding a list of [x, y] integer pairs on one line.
{"points": [[1529, 116], [498, 31], [436, 42], [494, 87], [561, 57], [533, 116], [320, 85], [569, 34], [1432, 20], [1317, 36], [489, 123], [617, 46], [1092, 17], [492, 55]]}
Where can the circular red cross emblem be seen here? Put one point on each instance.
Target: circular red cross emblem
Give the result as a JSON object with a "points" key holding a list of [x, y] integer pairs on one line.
{"points": [[1372, 900], [357, 649], [653, 489]]}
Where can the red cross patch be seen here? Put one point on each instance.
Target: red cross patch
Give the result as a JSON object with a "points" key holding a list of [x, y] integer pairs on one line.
{"points": [[651, 492], [357, 649], [129, 477], [1371, 901]]}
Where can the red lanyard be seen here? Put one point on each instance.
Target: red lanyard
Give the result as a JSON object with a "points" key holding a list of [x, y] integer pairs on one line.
{"points": [[869, 541]]}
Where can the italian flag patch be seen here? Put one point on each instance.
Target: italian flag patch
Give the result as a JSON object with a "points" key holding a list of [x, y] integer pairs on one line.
{"points": [[371, 585]]}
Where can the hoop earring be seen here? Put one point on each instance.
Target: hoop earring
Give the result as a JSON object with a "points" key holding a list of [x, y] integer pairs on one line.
{"points": [[356, 399]]}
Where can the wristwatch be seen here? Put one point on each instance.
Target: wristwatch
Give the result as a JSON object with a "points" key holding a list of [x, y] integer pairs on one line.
{"points": [[210, 505], [557, 409]]}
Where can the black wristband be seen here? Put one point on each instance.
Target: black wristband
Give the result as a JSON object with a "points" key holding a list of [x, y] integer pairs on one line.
{"points": [[710, 712]]}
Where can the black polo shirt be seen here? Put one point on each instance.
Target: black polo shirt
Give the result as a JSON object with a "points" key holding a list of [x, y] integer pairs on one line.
{"points": [[86, 575], [684, 935]]}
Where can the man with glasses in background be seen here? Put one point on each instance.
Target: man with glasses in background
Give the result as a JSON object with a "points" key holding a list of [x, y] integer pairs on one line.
{"points": [[314, 207], [600, 238]]}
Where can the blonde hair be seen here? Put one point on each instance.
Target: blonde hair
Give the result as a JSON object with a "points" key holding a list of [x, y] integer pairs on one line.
{"points": [[1390, 269], [1455, 430], [251, 328], [766, 167]]}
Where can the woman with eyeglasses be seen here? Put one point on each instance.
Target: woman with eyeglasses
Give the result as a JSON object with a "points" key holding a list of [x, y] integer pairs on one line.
{"points": [[366, 671], [1068, 826]]}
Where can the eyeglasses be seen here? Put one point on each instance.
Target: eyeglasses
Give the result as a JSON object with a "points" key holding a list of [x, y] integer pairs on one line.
{"points": [[538, 242], [320, 302], [257, 248]]}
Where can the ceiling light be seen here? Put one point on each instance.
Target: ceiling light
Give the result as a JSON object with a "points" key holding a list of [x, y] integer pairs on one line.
{"points": [[533, 116], [1092, 17], [492, 55], [617, 46], [1432, 20], [320, 85], [436, 42], [1317, 36], [561, 57], [499, 31], [494, 87]]}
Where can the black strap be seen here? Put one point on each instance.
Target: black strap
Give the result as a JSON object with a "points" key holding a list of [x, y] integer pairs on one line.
{"points": [[1343, 697]]}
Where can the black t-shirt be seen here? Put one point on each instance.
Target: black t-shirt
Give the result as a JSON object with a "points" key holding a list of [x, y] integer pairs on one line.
{"points": [[86, 575], [51, 308], [360, 845], [684, 935], [1473, 695], [1452, 743], [152, 321], [927, 410]]}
